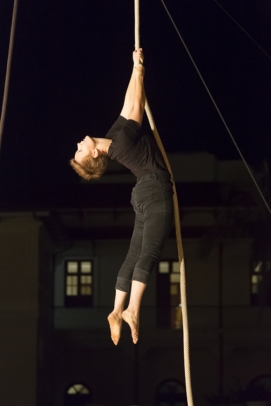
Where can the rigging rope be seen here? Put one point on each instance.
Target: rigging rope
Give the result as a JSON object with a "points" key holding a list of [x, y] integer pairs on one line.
{"points": [[218, 111], [242, 29], [178, 232], [8, 69]]}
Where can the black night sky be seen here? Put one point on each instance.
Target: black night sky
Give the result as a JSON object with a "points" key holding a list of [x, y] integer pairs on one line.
{"points": [[72, 63]]}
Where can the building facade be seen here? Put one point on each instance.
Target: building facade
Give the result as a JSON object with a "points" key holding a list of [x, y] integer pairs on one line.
{"points": [[59, 269]]}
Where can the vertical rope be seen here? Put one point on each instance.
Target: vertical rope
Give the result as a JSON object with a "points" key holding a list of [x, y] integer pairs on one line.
{"points": [[137, 25], [178, 232], [10, 50]]}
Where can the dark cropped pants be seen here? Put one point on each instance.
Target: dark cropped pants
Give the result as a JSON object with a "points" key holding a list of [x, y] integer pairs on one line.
{"points": [[153, 205]]}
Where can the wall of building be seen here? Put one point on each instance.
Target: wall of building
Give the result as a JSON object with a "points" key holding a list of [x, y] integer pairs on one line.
{"points": [[89, 356], [46, 347], [19, 309], [107, 257], [45, 353]]}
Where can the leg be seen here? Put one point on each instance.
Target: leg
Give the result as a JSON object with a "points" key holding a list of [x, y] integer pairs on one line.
{"points": [[150, 232], [124, 280], [131, 314], [126, 271], [158, 210], [157, 224], [114, 318], [156, 231]]}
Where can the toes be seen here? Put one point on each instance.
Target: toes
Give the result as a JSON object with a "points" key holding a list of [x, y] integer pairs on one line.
{"points": [[133, 323], [115, 339], [135, 336], [115, 328]]}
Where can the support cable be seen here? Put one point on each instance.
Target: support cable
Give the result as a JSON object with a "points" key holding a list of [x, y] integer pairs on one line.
{"points": [[178, 233], [8, 69], [242, 29], [218, 111]]}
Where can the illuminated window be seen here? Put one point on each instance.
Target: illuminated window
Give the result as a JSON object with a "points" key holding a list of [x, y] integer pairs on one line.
{"points": [[78, 395], [78, 283], [78, 388], [259, 293], [163, 267], [168, 294]]}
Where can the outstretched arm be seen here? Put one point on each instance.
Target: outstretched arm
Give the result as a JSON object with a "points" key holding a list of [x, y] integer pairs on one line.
{"points": [[134, 102], [139, 95]]}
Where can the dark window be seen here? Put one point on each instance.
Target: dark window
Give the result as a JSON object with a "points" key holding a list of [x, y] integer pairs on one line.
{"points": [[168, 294], [259, 389], [261, 283], [171, 393], [78, 395], [78, 283]]}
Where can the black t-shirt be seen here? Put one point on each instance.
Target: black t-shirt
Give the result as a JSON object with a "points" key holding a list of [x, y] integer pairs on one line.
{"points": [[134, 149]]}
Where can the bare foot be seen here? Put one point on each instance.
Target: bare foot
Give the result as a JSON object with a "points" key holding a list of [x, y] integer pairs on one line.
{"points": [[133, 322], [115, 323]]}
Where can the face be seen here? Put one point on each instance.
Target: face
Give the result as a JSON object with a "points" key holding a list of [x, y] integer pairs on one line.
{"points": [[84, 148]]}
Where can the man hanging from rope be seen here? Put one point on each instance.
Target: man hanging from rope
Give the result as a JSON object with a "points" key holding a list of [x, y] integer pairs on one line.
{"points": [[151, 197]]}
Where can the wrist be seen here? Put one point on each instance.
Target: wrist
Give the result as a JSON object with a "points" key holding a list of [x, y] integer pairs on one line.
{"points": [[139, 68]]}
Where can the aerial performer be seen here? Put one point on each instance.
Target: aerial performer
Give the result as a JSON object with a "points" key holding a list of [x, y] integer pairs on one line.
{"points": [[152, 196]]}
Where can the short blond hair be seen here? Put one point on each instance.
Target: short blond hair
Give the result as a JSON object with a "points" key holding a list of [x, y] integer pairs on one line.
{"points": [[91, 168]]}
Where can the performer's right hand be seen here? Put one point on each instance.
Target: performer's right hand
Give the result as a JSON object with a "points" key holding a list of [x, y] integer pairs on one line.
{"points": [[138, 57]]}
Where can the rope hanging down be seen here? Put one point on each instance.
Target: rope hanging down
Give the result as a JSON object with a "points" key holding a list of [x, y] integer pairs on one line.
{"points": [[178, 232], [11, 42]]}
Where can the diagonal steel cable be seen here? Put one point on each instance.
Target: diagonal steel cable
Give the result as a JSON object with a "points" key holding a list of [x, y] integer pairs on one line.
{"points": [[218, 110]]}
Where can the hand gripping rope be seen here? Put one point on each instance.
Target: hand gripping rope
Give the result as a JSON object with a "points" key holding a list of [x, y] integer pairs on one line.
{"points": [[178, 232]]}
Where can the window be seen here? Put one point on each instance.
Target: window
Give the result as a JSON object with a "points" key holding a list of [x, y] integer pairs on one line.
{"points": [[171, 392], [78, 284], [259, 389], [168, 294], [259, 293], [78, 395]]}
